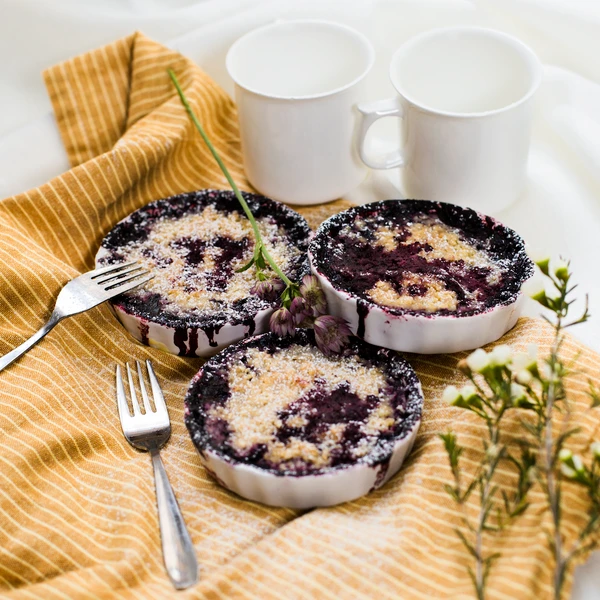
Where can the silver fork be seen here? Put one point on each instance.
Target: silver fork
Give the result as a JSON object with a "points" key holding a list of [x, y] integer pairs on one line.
{"points": [[150, 431], [81, 294]]}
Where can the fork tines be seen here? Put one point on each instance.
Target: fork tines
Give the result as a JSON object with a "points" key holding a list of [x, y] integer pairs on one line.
{"points": [[160, 406], [117, 275]]}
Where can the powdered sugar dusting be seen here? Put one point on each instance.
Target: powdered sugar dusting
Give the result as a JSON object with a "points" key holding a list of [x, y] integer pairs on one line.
{"points": [[193, 244], [265, 384]]}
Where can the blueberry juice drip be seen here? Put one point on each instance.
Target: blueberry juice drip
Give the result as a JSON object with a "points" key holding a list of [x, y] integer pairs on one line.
{"points": [[250, 323], [144, 330], [210, 331], [362, 309], [179, 339], [193, 342], [384, 466]]}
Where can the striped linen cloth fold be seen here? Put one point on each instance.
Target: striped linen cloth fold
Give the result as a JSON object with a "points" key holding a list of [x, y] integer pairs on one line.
{"points": [[77, 505]]}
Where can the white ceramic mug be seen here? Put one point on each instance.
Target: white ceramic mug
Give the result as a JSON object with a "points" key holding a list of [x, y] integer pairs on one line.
{"points": [[297, 85], [465, 99]]}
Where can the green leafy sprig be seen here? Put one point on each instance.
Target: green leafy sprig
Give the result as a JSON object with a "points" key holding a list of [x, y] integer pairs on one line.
{"points": [[489, 395], [547, 396], [501, 381], [301, 304], [261, 256]]}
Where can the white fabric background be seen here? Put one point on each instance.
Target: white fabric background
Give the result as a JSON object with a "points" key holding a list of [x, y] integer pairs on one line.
{"points": [[559, 212]]}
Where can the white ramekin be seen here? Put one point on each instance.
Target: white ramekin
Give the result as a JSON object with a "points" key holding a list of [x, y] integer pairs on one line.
{"points": [[200, 337], [175, 341], [307, 491], [325, 488], [417, 332]]}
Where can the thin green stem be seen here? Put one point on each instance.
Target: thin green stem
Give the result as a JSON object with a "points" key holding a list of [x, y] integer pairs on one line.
{"points": [[552, 484], [259, 241], [483, 511]]}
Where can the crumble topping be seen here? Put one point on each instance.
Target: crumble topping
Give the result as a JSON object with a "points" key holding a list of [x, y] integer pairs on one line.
{"points": [[280, 405], [420, 256], [384, 236], [432, 296], [194, 258], [446, 244], [420, 291], [266, 392]]}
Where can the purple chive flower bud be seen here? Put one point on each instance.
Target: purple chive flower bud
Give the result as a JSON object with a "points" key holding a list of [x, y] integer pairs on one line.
{"points": [[282, 322], [331, 334], [269, 290], [299, 309], [262, 289], [311, 291], [278, 285]]}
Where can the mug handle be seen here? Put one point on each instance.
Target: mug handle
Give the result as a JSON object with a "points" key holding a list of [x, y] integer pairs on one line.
{"points": [[369, 114]]}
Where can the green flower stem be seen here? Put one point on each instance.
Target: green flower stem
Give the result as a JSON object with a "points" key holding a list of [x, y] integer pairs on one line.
{"points": [[485, 501], [538, 459], [549, 447], [260, 245], [552, 483]]}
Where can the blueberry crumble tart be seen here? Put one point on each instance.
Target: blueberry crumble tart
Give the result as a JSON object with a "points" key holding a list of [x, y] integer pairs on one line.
{"points": [[280, 407], [193, 244], [418, 259]]}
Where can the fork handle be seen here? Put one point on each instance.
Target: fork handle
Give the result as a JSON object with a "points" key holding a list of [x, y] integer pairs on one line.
{"points": [[178, 551], [7, 359]]}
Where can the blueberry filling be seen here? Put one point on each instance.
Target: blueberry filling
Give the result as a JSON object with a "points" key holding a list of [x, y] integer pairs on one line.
{"points": [[325, 426], [421, 257], [194, 243]]}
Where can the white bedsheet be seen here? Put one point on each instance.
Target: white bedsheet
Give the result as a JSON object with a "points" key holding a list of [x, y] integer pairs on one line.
{"points": [[559, 211]]}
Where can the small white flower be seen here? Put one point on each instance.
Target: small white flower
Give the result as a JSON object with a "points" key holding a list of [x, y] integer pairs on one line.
{"points": [[525, 360], [578, 463], [542, 262], [565, 454], [534, 287], [501, 355], [468, 391], [567, 471], [524, 377], [560, 268], [517, 391], [548, 372], [537, 254], [559, 263], [477, 361], [520, 361], [595, 448], [540, 296], [492, 451], [451, 394]]}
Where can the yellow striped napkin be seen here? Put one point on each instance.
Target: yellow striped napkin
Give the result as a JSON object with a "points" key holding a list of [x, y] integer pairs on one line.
{"points": [[77, 508]]}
